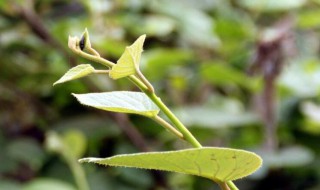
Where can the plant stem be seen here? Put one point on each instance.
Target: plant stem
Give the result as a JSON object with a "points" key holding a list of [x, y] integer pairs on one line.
{"points": [[223, 185], [232, 186], [185, 132], [167, 126], [93, 51], [77, 172], [101, 71], [144, 80], [93, 58]]}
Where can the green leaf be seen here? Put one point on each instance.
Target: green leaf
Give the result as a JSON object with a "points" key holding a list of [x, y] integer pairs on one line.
{"points": [[75, 73], [120, 101], [219, 164], [129, 60]]}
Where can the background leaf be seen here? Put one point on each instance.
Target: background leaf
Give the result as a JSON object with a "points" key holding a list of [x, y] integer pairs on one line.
{"points": [[272, 5], [120, 101], [48, 184], [129, 60], [23, 151], [221, 164], [214, 118], [75, 141], [75, 73]]}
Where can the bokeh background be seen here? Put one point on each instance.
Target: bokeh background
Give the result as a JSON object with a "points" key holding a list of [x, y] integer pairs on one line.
{"points": [[239, 73]]}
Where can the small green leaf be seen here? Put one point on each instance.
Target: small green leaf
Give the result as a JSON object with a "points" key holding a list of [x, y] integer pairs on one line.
{"points": [[129, 60], [121, 101], [219, 164], [75, 73]]}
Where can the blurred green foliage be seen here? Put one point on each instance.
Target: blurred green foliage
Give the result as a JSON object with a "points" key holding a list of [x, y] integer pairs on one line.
{"points": [[197, 55]]}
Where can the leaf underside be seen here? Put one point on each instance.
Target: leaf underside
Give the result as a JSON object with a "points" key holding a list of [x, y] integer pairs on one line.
{"points": [[218, 164], [120, 101], [75, 73], [129, 60]]}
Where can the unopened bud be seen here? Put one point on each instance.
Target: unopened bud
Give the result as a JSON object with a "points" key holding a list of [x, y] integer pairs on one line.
{"points": [[72, 42], [84, 42]]}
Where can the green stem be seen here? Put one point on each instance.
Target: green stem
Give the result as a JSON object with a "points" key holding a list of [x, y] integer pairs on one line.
{"points": [[101, 71], [185, 132], [167, 126], [93, 51], [144, 80], [78, 173], [223, 185], [93, 58], [232, 186]]}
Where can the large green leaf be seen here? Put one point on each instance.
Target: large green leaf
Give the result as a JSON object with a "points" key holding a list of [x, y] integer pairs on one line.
{"points": [[75, 73], [120, 101], [219, 164], [129, 60]]}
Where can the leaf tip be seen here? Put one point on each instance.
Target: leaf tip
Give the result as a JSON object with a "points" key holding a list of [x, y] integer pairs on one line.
{"points": [[57, 82], [83, 160], [142, 38], [87, 160]]}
